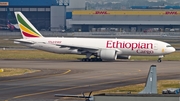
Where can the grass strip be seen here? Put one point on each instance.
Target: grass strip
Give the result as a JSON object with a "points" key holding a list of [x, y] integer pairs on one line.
{"points": [[37, 54], [134, 89]]}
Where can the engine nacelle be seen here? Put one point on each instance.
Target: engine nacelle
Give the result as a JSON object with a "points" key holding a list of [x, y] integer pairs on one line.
{"points": [[123, 57], [108, 54]]}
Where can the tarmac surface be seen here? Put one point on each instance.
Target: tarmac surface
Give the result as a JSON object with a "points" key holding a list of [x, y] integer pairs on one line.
{"points": [[74, 77]]}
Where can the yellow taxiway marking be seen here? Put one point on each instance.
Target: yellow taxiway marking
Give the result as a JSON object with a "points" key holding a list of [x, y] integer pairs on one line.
{"points": [[64, 80], [50, 91], [68, 79], [75, 87], [65, 72], [37, 77], [36, 84], [58, 74], [59, 81]]}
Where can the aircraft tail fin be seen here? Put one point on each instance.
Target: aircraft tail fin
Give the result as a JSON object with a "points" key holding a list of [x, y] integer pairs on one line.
{"points": [[27, 29], [151, 83]]}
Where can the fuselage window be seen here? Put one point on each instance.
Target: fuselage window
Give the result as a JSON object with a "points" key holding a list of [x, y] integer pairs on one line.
{"points": [[168, 46]]}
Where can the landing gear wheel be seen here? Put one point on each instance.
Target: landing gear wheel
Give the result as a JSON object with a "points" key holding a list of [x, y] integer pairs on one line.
{"points": [[87, 60], [159, 60], [99, 59], [91, 60], [83, 60]]}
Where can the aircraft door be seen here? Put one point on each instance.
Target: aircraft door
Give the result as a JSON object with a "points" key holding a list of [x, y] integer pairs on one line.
{"points": [[155, 46]]}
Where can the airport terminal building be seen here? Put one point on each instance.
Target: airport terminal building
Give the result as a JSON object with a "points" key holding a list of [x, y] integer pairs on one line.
{"points": [[126, 20], [44, 14], [57, 15]]}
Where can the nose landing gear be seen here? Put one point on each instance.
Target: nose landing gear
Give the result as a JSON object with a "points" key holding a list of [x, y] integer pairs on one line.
{"points": [[160, 58]]}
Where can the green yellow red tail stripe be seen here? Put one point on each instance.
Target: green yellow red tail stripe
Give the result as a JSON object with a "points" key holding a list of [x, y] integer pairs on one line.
{"points": [[27, 29]]}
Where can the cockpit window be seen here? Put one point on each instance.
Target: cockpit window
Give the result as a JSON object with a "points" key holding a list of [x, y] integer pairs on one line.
{"points": [[168, 46]]}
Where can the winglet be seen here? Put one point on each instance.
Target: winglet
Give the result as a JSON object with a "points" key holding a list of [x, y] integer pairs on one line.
{"points": [[151, 83], [27, 29]]}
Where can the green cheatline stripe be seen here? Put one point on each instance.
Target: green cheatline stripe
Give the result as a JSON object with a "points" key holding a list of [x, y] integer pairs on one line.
{"points": [[20, 19]]}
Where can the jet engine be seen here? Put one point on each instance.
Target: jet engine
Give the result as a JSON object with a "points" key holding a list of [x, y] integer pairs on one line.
{"points": [[123, 57], [108, 54]]}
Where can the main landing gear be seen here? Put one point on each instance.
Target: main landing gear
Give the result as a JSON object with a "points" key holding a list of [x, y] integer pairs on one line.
{"points": [[91, 59], [160, 58], [88, 59]]}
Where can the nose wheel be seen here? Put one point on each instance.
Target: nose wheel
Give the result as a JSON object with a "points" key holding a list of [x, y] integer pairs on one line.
{"points": [[159, 60]]}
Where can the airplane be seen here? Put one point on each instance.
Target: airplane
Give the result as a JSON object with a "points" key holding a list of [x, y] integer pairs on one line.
{"points": [[87, 98], [95, 49], [11, 26], [11, 23]]}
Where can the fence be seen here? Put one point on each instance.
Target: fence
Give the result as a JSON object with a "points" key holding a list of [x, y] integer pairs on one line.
{"points": [[98, 34]]}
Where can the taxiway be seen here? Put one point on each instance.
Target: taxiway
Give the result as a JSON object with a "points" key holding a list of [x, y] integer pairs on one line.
{"points": [[73, 77]]}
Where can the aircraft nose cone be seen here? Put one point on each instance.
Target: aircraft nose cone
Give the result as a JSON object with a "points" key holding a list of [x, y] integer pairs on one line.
{"points": [[173, 49]]}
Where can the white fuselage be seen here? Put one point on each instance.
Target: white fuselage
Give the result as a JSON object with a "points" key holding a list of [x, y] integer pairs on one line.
{"points": [[142, 47]]}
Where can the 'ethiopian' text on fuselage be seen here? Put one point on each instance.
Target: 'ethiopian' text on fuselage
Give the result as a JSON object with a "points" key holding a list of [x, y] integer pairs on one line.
{"points": [[128, 45]]}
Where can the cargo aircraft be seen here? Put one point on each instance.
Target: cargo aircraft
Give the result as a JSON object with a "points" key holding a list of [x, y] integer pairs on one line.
{"points": [[95, 49]]}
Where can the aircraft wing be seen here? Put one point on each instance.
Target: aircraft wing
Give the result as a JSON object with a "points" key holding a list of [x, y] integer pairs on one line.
{"points": [[67, 95], [79, 47]]}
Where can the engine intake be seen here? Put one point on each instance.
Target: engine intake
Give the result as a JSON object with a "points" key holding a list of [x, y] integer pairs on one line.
{"points": [[123, 57], [108, 54]]}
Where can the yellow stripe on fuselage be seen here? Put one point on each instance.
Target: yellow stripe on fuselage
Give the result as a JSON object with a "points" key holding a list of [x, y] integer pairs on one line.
{"points": [[23, 28]]}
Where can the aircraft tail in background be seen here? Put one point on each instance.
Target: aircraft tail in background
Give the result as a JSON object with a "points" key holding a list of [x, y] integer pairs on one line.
{"points": [[151, 83], [11, 23]]}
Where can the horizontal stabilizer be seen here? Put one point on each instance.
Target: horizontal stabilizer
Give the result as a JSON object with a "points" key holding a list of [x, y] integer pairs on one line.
{"points": [[23, 41]]}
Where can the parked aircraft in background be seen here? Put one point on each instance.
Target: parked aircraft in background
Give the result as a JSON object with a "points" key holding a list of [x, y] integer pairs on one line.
{"points": [[11, 26], [10, 23], [102, 49]]}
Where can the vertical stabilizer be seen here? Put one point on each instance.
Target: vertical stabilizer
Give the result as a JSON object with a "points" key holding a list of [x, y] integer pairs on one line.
{"points": [[27, 29], [151, 83]]}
